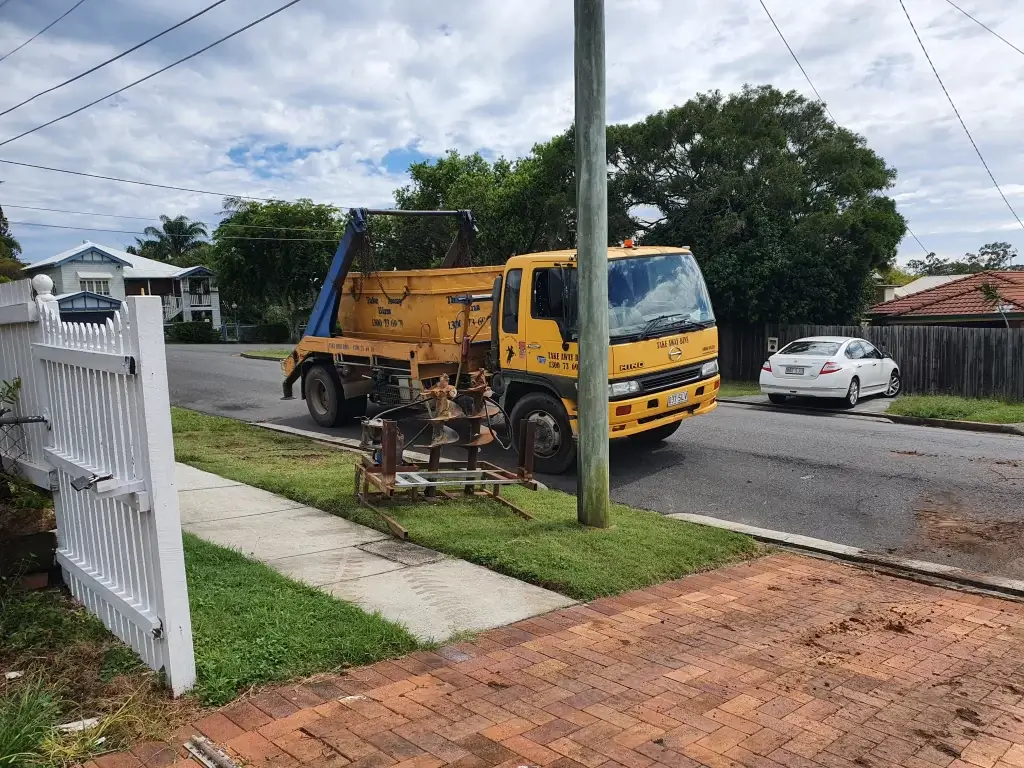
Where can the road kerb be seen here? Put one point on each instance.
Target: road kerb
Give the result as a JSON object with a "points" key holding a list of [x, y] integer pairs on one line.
{"points": [[999, 584], [914, 421], [253, 356], [798, 409], [969, 426]]}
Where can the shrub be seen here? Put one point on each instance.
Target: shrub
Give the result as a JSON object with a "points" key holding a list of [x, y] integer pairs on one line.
{"points": [[199, 332], [268, 333]]}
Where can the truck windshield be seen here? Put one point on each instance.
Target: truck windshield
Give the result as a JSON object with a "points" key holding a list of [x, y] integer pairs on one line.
{"points": [[656, 295]]}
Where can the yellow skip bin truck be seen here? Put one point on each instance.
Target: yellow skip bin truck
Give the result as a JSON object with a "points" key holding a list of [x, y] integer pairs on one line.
{"points": [[386, 336]]}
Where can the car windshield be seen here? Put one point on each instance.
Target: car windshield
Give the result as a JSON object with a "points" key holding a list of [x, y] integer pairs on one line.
{"points": [[654, 294], [811, 348]]}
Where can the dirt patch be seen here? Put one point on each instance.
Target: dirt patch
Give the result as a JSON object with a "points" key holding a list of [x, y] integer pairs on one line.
{"points": [[946, 522], [897, 618]]}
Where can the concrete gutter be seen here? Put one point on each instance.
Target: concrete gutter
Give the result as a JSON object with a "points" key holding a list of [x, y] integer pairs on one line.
{"points": [[970, 426], [254, 356], [916, 421], [919, 568]]}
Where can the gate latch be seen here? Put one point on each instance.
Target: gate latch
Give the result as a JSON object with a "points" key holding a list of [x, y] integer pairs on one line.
{"points": [[88, 481]]}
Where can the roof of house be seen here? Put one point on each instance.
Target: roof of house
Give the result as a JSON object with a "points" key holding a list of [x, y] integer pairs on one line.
{"points": [[135, 267], [925, 284], [958, 297]]}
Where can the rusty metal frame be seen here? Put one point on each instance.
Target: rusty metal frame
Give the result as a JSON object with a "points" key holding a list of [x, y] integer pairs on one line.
{"points": [[377, 483]]}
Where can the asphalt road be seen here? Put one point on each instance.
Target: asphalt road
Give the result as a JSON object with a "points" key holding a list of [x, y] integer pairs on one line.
{"points": [[934, 494]]}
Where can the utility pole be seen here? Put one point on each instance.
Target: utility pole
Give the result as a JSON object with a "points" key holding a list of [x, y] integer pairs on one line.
{"points": [[592, 257]]}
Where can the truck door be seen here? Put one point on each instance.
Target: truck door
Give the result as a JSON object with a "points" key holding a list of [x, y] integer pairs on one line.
{"points": [[544, 340], [512, 329]]}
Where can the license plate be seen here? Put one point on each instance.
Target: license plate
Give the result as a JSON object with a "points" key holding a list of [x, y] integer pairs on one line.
{"points": [[794, 371], [678, 398]]}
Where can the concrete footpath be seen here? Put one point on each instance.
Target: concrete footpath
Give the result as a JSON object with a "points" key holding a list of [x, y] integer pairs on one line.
{"points": [[434, 596]]}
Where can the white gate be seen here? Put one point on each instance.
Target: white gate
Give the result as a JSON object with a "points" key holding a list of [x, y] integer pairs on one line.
{"points": [[107, 453]]}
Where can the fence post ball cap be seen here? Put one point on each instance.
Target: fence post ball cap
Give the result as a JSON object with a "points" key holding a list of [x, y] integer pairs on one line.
{"points": [[42, 284]]}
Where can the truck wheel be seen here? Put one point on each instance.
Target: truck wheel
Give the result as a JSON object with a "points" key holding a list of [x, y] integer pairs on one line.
{"points": [[325, 398], [657, 434], [555, 448]]}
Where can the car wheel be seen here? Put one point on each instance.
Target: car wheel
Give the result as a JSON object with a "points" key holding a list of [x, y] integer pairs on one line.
{"points": [[656, 435], [777, 399], [554, 449], [852, 394], [895, 385]]}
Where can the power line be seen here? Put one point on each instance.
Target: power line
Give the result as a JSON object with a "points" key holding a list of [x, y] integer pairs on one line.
{"points": [[919, 241], [152, 74], [984, 26], [37, 34], [154, 218], [132, 232], [111, 60], [5, 2], [793, 54], [134, 181], [957, 112], [820, 100]]}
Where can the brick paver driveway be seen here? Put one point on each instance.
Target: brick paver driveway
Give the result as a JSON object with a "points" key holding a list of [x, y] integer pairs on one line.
{"points": [[783, 661]]}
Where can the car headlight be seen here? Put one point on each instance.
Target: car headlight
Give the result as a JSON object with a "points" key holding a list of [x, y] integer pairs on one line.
{"points": [[710, 368], [620, 388]]}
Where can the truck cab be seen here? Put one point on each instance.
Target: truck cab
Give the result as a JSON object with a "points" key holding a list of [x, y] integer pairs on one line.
{"points": [[663, 346]]}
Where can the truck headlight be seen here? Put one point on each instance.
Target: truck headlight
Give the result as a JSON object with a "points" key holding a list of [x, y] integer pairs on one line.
{"points": [[710, 368], [620, 388]]}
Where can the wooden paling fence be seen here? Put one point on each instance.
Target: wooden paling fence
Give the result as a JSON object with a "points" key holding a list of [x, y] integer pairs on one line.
{"points": [[106, 452], [933, 360]]}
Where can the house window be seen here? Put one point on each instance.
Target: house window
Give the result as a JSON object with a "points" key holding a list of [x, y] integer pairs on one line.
{"points": [[102, 287]]}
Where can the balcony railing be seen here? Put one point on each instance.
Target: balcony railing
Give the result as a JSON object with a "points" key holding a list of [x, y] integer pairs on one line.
{"points": [[200, 300], [172, 307]]}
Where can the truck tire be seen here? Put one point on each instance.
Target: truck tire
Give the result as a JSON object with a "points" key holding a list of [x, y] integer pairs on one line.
{"points": [[555, 448], [657, 434], [325, 397]]}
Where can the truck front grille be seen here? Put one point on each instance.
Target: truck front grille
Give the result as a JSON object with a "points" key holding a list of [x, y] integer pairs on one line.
{"points": [[662, 380]]}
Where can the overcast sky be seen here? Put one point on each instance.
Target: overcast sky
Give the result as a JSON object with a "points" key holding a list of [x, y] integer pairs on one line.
{"points": [[331, 99]]}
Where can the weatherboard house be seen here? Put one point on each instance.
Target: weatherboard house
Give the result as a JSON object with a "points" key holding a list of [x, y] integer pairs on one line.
{"points": [[90, 281]]}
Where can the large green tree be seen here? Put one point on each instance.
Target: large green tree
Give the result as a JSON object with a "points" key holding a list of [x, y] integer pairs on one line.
{"points": [[173, 241], [991, 256], [10, 249], [275, 253], [785, 212], [520, 206]]}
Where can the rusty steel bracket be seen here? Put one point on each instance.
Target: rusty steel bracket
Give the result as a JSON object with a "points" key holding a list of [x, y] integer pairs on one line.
{"points": [[385, 476]]}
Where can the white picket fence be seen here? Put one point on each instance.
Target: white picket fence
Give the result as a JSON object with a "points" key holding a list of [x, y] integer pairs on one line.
{"points": [[107, 453]]}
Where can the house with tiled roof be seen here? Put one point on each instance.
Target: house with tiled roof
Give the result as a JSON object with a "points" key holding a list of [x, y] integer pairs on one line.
{"points": [[958, 302]]}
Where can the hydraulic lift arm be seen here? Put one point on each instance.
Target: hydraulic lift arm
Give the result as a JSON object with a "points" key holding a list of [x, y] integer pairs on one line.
{"points": [[323, 321]]}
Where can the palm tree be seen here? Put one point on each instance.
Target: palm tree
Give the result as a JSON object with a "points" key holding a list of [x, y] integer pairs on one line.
{"points": [[174, 239]]}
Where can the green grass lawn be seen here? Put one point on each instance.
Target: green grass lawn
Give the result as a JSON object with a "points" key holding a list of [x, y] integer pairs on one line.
{"points": [[739, 388], [642, 548], [959, 408], [268, 354], [253, 626]]}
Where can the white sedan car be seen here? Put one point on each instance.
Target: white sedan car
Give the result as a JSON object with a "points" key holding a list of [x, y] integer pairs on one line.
{"points": [[829, 366]]}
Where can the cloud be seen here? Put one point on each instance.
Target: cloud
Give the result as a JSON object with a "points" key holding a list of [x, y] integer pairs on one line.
{"points": [[331, 100]]}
